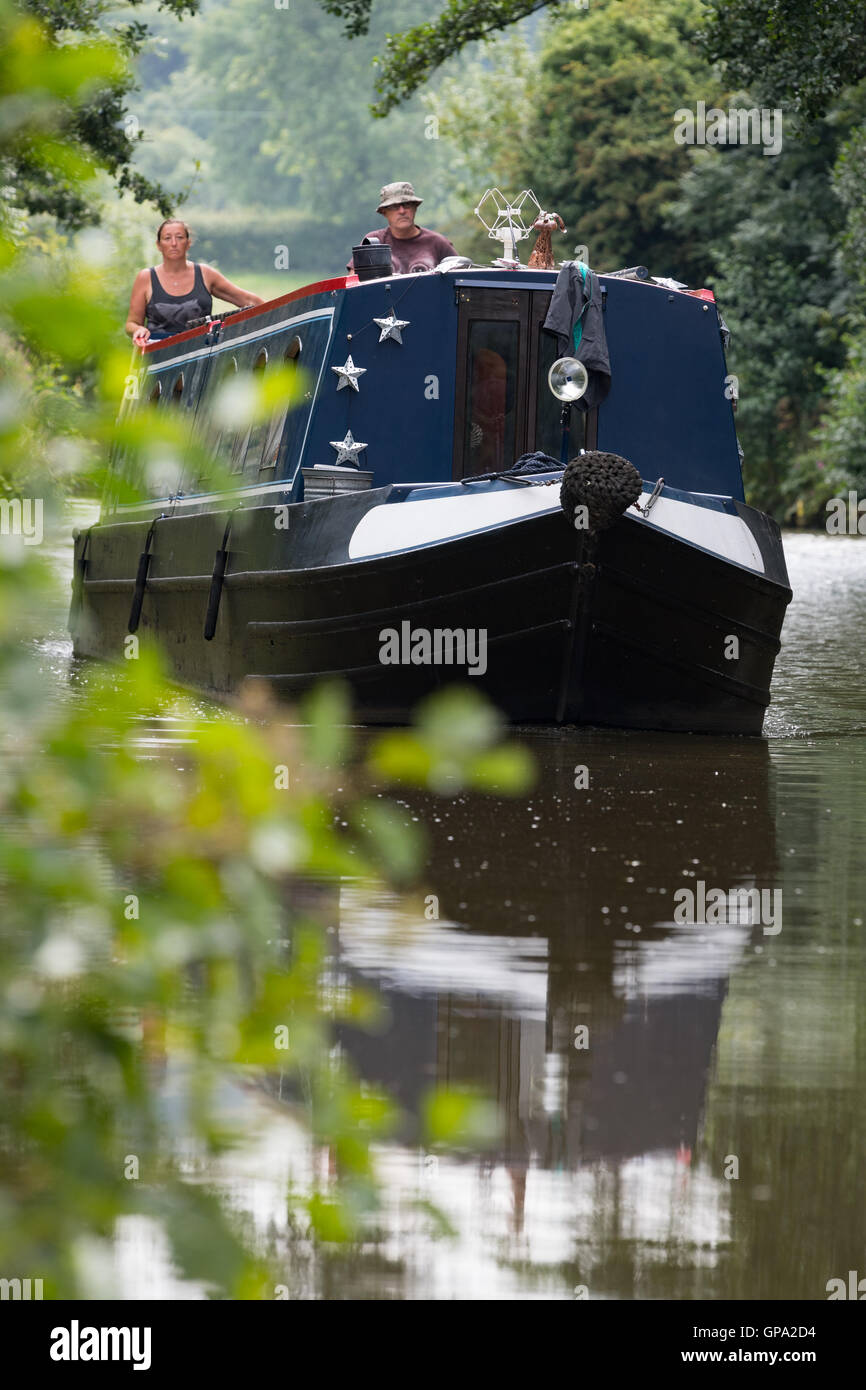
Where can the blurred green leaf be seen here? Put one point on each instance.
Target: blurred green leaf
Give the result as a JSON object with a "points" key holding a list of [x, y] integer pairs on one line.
{"points": [[458, 721], [328, 1219], [509, 770], [460, 1119], [400, 756], [397, 841], [328, 712]]}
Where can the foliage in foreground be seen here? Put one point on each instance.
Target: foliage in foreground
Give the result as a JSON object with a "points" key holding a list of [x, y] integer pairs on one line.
{"points": [[153, 954], [157, 948]]}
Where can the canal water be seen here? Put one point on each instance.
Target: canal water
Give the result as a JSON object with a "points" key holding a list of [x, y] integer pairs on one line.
{"points": [[680, 1087]]}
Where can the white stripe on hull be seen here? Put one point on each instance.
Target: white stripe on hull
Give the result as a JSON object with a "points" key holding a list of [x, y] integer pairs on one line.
{"points": [[401, 526]]}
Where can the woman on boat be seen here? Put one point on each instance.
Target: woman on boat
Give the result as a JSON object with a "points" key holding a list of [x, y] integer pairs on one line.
{"points": [[166, 301]]}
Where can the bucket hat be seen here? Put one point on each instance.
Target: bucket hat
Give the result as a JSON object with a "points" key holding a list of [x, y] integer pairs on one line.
{"points": [[394, 193]]}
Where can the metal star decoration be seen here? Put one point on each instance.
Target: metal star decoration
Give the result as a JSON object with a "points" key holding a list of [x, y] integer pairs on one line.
{"points": [[391, 327], [348, 374], [347, 449]]}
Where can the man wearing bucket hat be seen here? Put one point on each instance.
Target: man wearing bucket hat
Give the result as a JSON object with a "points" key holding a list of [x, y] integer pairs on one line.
{"points": [[413, 249]]}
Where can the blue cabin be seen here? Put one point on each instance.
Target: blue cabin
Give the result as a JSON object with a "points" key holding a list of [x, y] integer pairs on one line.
{"points": [[465, 391]]}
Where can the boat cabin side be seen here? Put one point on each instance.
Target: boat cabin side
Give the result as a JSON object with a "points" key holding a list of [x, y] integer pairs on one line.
{"points": [[428, 378]]}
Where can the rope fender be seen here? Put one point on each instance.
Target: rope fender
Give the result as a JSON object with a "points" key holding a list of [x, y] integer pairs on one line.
{"points": [[606, 484]]}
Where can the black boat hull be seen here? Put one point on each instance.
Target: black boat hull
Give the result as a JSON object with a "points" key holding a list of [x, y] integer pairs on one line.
{"points": [[633, 627]]}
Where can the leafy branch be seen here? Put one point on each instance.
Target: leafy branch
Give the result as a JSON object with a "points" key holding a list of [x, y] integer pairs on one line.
{"points": [[413, 56]]}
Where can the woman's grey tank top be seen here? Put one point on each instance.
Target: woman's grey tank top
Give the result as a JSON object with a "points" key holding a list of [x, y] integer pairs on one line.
{"points": [[172, 313]]}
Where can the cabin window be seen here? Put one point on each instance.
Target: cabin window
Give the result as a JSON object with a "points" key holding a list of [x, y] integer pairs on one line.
{"points": [[490, 424], [221, 440], [164, 478], [242, 437], [155, 393], [308, 354], [256, 434], [292, 358], [251, 439]]}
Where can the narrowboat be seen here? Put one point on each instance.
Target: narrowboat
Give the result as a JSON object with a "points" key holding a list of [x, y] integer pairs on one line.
{"points": [[378, 532]]}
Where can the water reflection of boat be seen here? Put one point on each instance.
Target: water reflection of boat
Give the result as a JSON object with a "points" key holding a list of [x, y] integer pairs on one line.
{"points": [[557, 917], [669, 619]]}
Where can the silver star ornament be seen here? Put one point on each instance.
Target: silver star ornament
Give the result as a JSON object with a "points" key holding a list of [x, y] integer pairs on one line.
{"points": [[347, 449], [391, 327], [348, 374]]}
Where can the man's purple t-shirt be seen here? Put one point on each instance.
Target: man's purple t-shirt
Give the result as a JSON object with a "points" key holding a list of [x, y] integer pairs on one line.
{"points": [[412, 254]]}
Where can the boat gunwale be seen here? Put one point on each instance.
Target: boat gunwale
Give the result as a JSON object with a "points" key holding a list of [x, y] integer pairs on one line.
{"points": [[341, 282]]}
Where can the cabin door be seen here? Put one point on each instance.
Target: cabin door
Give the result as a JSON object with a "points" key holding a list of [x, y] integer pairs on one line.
{"points": [[503, 407]]}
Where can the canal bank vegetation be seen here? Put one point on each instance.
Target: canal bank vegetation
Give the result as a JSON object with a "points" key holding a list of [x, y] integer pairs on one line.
{"points": [[160, 949]]}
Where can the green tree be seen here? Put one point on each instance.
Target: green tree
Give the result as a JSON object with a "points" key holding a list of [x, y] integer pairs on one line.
{"points": [[612, 79], [849, 182], [772, 228], [589, 125], [98, 127], [800, 53], [413, 55], [837, 459], [287, 124]]}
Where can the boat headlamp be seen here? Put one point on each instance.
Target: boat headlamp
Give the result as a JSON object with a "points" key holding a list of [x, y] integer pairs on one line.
{"points": [[568, 379]]}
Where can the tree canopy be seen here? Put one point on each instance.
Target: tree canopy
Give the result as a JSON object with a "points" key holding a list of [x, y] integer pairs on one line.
{"points": [[802, 52], [799, 53], [588, 123], [411, 57], [287, 127], [771, 230], [611, 80], [97, 128]]}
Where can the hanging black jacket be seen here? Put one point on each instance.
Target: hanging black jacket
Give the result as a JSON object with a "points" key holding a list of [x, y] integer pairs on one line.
{"points": [[575, 315]]}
